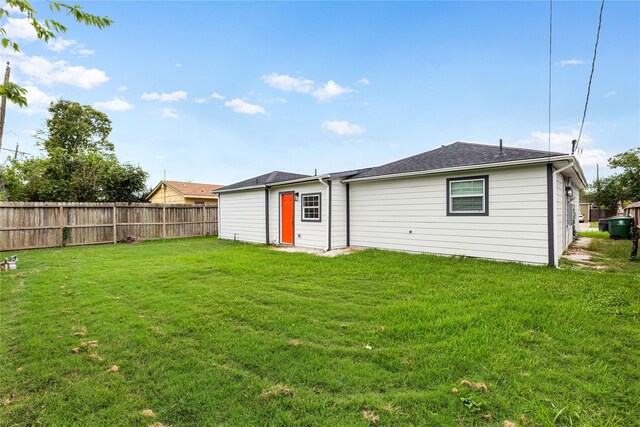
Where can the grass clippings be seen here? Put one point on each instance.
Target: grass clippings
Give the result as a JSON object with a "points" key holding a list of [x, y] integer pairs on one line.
{"points": [[475, 386], [275, 391], [370, 416], [148, 413], [113, 368], [295, 343]]}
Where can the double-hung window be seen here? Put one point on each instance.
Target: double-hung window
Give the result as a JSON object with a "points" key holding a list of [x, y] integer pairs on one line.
{"points": [[311, 207], [468, 196]]}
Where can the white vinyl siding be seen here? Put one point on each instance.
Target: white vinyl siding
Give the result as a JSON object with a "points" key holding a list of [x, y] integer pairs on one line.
{"points": [[241, 216], [564, 228], [410, 214], [310, 234], [338, 215]]}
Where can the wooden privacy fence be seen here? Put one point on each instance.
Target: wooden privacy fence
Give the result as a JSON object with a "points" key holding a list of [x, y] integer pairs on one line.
{"points": [[30, 225]]}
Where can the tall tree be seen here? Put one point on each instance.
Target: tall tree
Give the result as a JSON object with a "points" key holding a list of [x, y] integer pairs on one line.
{"points": [[45, 30], [79, 165], [621, 187]]}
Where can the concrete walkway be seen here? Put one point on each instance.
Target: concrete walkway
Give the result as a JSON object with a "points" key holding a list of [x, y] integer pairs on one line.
{"points": [[579, 253], [318, 252]]}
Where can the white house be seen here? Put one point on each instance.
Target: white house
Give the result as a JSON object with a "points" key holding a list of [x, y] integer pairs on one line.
{"points": [[466, 199]]}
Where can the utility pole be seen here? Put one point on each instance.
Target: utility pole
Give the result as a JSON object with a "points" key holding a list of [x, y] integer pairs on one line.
{"points": [[3, 106]]}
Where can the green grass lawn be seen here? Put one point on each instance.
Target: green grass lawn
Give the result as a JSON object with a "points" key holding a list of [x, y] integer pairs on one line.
{"points": [[206, 332]]}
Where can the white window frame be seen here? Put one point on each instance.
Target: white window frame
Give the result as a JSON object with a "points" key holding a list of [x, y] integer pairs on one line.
{"points": [[485, 196], [319, 207]]}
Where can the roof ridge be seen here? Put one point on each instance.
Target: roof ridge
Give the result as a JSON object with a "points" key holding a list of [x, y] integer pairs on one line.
{"points": [[510, 147]]}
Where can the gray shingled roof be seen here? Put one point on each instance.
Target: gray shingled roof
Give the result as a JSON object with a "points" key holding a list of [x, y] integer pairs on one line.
{"points": [[454, 155], [267, 178]]}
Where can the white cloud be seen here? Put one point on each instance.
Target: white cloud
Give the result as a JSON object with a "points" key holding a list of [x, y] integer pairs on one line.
{"points": [[13, 10], [38, 101], [561, 142], [160, 157], [393, 145], [122, 88], [288, 84], [240, 106], [275, 101], [214, 95], [20, 29], [364, 81], [571, 62], [610, 94], [170, 113], [165, 97], [116, 104], [178, 65], [84, 51], [342, 128], [59, 72], [60, 44], [322, 93], [330, 91]]}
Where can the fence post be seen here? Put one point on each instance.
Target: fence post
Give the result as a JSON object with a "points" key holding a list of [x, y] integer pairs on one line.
{"points": [[204, 216], [115, 224], [164, 221], [61, 223]]}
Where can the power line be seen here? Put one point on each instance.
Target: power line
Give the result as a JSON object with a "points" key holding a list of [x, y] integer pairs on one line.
{"points": [[550, 51], [593, 66]]}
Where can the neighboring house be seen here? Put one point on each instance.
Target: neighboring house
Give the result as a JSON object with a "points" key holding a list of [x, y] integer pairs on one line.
{"points": [[465, 199], [178, 192]]}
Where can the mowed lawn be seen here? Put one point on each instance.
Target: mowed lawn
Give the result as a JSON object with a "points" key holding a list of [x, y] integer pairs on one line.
{"points": [[207, 332]]}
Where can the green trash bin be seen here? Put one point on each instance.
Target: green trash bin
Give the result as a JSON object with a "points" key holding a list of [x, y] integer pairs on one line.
{"points": [[620, 227]]}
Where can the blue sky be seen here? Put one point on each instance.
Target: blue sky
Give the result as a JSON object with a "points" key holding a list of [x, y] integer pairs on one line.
{"points": [[219, 92]]}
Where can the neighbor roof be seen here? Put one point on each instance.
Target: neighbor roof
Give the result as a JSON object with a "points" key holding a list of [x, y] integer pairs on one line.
{"points": [[267, 178], [455, 155], [189, 189]]}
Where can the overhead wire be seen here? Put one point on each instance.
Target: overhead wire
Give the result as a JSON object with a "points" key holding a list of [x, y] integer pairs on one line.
{"points": [[593, 66], [550, 53]]}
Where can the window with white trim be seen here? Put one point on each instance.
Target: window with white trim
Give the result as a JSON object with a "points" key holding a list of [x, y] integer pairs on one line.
{"points": [[467, 196], [311, 205]]}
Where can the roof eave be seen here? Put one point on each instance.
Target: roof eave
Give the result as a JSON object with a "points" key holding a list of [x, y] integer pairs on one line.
{"points": [[468, 167], [275, 184]]}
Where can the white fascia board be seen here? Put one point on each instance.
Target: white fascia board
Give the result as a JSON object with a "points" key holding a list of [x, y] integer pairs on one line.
{"points": [[299, 180], [253, 187], [543, 160]]}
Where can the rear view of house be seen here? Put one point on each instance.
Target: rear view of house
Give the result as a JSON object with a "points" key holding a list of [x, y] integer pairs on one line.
{"points": [[465, 199]]}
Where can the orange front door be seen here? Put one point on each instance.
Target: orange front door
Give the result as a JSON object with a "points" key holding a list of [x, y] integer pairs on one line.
{"points": [[286, 218]]}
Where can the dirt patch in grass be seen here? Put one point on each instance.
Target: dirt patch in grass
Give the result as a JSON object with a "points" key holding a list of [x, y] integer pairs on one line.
{"points": [[580, 255]]}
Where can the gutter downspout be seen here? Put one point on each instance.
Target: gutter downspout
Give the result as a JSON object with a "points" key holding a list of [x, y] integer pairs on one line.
{"points": [[328, 246], [266, 213]]}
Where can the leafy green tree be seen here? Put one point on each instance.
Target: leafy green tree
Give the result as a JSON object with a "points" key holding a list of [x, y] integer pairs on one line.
{"points": [[79, 164], [45, 30], [624, 186]]}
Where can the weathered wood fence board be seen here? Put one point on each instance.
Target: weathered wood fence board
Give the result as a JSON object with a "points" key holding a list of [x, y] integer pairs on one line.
{"points": [[30, 225]]}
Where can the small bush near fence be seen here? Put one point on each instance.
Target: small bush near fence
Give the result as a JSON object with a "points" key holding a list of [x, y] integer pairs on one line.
{"points": [[30, 225]]}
